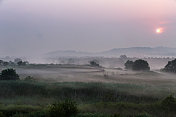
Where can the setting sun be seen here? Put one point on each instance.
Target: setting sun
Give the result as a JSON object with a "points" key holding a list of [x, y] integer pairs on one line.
{"points": [[159, 30]]}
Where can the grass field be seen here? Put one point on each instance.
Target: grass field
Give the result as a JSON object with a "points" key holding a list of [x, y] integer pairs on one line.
{"points": [[98, 92]]}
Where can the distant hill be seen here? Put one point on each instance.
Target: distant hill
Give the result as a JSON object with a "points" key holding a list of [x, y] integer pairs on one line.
{"points": [[142, 51], [116, 52]]}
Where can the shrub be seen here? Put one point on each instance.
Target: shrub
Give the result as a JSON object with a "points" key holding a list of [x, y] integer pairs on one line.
{"points": [[9, 74], [67, 108]]}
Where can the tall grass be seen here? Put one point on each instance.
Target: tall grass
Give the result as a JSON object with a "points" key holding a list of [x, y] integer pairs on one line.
{"points": [[81, 92], [28, 98]]}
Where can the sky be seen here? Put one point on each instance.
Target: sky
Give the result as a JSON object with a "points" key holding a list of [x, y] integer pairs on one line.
{"points": [[35, 27]]}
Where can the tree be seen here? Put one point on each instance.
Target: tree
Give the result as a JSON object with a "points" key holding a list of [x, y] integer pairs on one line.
{"points": [[17, 60], [22, 63], [170, 67], [141, 65], [129, 64], [123, 57], [9, 74], [94, 63]]}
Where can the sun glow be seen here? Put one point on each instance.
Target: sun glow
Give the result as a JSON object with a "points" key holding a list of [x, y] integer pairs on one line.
{"points": [[159, 30]]}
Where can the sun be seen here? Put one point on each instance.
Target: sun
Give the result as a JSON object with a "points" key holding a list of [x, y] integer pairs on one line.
{"points": [[159, 30]]}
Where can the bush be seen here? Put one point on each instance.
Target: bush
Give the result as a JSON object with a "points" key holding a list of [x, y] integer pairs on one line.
{"points": [[67, 108], [9, 74]]}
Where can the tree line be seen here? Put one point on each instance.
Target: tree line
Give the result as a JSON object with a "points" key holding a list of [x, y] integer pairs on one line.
{"points": [[138, 65], [16, 62]]}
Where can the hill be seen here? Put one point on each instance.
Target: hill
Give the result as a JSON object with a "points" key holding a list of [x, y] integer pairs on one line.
{"points": [[116, 52]]}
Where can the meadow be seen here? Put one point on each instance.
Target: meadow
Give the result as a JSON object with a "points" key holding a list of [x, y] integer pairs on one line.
{"points": [[98, 92]]}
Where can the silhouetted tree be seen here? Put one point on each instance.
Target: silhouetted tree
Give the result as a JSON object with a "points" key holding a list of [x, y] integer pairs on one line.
{"points": [[129, 64], [171, 66], [22, 63], [141, 65], [123, 57], [9, 74], [94, 63]]}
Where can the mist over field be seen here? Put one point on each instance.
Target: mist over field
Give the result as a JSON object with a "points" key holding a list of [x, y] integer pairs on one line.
{"points": [[87, 58]]}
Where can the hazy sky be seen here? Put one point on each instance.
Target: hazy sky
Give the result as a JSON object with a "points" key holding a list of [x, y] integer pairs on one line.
{"points": [[38, 26]]}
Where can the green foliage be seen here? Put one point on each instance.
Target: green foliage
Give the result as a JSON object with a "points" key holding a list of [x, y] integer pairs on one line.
{"points": [[67, 108], [169, 103], [85, 92], [9, 74], [144, 115], [105, 99]]}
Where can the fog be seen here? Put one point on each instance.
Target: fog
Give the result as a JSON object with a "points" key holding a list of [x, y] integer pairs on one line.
{"points": [[35, 27], [153, 81]]}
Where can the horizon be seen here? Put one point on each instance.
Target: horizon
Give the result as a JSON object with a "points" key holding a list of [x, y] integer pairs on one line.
{"points": [[75, 53], [62, 50]]}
